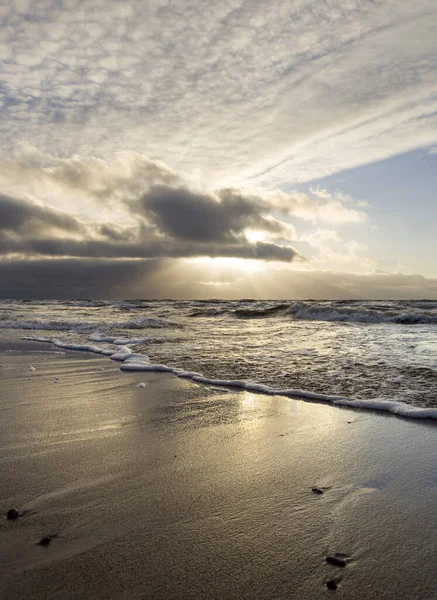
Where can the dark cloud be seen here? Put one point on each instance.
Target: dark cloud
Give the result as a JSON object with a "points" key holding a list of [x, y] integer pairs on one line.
{"points": [[144, 249], [166, 278], [222, 217], [22, 216], [111, 232], [66, 278], [172, 223]]}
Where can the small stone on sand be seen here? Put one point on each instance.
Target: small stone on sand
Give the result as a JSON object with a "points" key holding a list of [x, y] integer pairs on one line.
{"points": [[317, 491], [12, 514], [45, 541], [142, 384], [336, 561], [332, 584], [31, 368]]}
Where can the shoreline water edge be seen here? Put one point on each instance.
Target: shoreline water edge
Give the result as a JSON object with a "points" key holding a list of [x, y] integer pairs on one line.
{"points": [[132, 361], [378, 355]]}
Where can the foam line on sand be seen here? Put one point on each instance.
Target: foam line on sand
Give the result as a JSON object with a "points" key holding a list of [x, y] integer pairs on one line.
{"points": [[141, 362]]}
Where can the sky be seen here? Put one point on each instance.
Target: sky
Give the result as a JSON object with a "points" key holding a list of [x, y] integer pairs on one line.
{"points": [[191, 148]]}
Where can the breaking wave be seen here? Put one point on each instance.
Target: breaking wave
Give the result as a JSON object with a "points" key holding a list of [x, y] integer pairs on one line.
{"points": [[81, 326], [359, 314], [396, 313]]}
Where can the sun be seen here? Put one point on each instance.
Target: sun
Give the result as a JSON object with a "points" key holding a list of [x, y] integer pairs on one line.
{"points": [[255, 235]]}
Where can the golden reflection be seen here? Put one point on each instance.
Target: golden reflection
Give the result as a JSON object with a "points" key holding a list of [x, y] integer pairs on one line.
{"points": [[249, 401], [296, 416]]}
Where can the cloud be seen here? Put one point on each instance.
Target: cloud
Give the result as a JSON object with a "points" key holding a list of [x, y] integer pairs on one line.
{"points": [[157, 278], [320, 207], [381, 272], [89, 184], [31, 229], [137, 207], [123, 177], [380, 285], [215, 283], [79, 278], [93, 185], [204, 217], [331, 251], [27, 217], [226, 91]]}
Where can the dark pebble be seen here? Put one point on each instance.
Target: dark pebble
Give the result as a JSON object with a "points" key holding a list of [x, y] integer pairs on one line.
{"points": [[317, 491], [336, 561], [45, 541], [12, 514], [332, 584]]}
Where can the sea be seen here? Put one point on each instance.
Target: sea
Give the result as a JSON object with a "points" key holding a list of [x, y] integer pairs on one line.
{"points": [[379, 355]]}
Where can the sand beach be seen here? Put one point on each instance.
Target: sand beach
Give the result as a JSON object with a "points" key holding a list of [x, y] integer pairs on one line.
{"points": [[174, 490]]}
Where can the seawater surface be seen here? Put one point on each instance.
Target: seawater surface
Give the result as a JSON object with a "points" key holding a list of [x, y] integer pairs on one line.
{"points": [[380, 354]]}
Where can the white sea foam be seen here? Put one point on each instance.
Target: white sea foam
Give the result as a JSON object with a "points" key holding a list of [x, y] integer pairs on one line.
{"points": [[122, 353], [70, 346], [98, 337], [139, 362], [143, 366]]}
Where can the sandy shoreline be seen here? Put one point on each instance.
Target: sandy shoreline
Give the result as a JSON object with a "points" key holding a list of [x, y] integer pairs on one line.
{"points": [[174, 490]]}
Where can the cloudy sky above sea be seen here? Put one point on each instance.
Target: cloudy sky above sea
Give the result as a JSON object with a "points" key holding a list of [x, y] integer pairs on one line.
{"points": [[192, 148]]}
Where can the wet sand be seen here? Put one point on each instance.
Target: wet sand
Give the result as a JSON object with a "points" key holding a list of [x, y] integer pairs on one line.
{"points": [[174, 490]]}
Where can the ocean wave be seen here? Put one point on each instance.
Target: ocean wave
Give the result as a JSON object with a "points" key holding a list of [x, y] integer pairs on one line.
{"points": [[401, 313], [140, 362], [42, 325], [359, 314], [84, 303], [244, 312], [145, 323], [208, 312], [82, 326], [261, 312]]}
